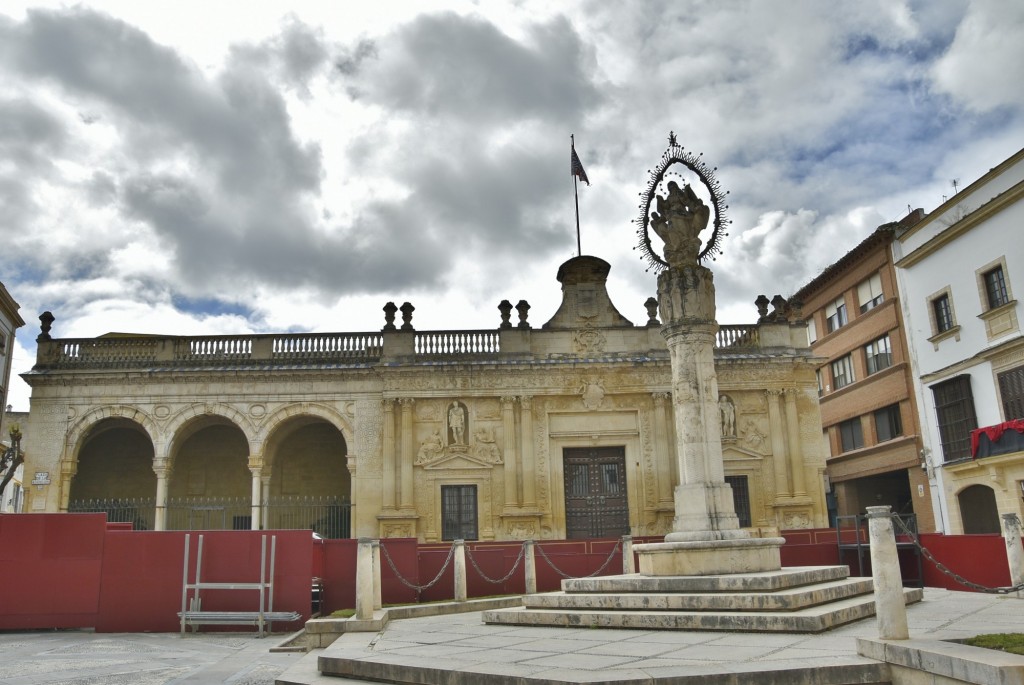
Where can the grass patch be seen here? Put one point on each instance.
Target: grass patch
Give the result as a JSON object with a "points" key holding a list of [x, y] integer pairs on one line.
{"points": [[343, 613], [1004, 642]]}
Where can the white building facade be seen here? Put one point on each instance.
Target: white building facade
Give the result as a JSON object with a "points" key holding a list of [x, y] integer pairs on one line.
{"points": [[958, 271]]}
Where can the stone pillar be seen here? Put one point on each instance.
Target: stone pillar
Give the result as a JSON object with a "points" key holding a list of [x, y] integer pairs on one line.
{"points": [[780, 464], [257, 496], [364, 579], [388, 465], [508, 427], [662, 448], [160, 515], [408, 455], [796, 453], [890, 605], [703, 500], [529, 568], [377, 599], [1014, 550], [460, 570], [529, 468], [628, 563]]}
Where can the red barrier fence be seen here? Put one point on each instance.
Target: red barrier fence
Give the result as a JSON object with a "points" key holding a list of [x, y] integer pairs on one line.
{"points": [[77, 571]]}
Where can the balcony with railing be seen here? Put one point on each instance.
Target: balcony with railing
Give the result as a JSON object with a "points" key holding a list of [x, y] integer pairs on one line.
{"points": [[1002, 438]]}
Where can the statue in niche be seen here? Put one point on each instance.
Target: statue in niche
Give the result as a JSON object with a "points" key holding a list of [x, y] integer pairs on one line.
{"points": [[457, 421], [431, 448], [728, 412], [486, 448], [680, 218]]}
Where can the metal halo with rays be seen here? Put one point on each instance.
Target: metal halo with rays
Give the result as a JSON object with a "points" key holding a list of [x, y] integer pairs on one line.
{"points": [[676, 154]]}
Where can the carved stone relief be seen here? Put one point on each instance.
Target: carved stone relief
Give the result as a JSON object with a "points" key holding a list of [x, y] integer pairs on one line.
{"points": [[588, 341], [592, 394]]}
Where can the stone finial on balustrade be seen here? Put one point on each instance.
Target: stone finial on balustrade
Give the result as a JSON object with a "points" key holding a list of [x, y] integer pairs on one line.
{"points": [[762, 308], [46, 320], [389, 316], [505, 307], [407, 309], [780, 309], [523, 307], [796, 309], [652, 312]]}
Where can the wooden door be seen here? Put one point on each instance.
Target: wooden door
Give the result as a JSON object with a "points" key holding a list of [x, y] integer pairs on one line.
{"points": [[595, 492]]}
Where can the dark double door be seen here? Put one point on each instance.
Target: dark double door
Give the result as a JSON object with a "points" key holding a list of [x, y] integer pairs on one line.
{"points": [[595, 492]]}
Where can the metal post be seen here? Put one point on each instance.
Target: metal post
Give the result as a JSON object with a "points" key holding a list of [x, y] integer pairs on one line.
{"points": [[460, 570], [890, 604], [364, 580], [628, 562], [1014, 551], [530, 568]]}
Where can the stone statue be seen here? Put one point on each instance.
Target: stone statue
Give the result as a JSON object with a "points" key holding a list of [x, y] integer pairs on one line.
{"points": [[486, 448], [728, 412], [457, 423], [431, 448], [680, 218]]}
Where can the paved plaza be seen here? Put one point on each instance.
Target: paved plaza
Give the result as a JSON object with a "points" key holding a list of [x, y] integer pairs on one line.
{"points": [[462, 643]]}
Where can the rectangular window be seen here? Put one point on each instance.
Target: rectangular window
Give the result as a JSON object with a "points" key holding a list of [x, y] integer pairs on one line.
{"points": [[943, 313], [821, 386], [995, 288], [1011, 390], [850, 435], [835, 314], [887, 423], [740, 498], [954, 408], [458, 512], [842, 372], [878, 354], [812, 331], [869, 293]]}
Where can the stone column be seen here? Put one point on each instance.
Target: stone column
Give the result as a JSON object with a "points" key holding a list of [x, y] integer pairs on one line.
{"points": [[408, 455], [890, 605], [257, 496], [703, 500], [796, 454], [388, 455], [508, 427], [1014, 550], [628, 563], [364, 579], [529, 568], [163, 472], [780, 464], [662, 450], [460, 570], [529, 468], [377, 599]]}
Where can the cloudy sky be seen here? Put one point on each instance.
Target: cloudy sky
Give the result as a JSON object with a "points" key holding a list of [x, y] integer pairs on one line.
{"points": [[184, 167]]}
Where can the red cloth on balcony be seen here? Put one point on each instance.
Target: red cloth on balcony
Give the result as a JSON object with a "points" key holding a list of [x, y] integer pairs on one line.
{"points": [[994, 433]]}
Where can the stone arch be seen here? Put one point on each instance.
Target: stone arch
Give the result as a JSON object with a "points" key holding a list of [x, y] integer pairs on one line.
{"points": [[174, 427], [323, 411], [77, 433], [978, 510]]}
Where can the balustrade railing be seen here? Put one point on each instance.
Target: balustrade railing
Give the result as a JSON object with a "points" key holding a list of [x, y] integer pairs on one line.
{"points": [[443, 343], [737, 335], [106, 351], [328, 346], [213, 348]]}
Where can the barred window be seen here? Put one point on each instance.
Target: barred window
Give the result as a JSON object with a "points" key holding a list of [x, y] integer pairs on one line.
{"points": [[850, 435], [458, 512], [740, 498], [1011, 390], [954, 407], [878, 354], [842, 372]]}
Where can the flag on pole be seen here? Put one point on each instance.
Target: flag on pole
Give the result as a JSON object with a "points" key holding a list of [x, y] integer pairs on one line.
{"points": [[577, 167]]}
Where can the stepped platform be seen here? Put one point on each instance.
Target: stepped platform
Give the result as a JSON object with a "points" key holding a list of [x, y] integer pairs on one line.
{"points": [[790, 600]]}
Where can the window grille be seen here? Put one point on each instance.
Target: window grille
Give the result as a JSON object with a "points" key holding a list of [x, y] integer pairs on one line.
{"points": [[1011, 390], [954, 407], [458, 512]]}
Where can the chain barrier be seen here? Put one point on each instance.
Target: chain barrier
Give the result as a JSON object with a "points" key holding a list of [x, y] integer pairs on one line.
{"points": [[949, 572], [611, 555], [496, 581], [411, 586]]}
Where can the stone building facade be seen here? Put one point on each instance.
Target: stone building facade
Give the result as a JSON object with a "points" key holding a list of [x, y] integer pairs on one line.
{"points": [[512, 432]]}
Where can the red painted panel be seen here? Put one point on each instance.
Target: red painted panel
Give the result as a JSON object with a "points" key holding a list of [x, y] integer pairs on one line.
{"points": [[53, 563], [339, 575], [978, 558]]}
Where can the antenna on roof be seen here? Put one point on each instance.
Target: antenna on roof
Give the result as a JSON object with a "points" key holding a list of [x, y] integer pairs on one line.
{"points": [[955, 182]]}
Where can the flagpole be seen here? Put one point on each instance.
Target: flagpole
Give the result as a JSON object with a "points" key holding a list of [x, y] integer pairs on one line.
{"points": [[576, 197]]}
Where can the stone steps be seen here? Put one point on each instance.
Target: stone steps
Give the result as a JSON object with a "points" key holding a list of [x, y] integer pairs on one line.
{"points": [[798, 599]]}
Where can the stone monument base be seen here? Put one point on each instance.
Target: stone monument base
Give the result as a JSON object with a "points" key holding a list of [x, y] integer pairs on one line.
{"points": [[709, 557]]}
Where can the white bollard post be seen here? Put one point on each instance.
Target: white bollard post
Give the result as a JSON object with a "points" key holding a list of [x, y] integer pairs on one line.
{"points": [[628, 562], [530, 568], [376, 575], [460, 570], [890, 604], [364, 579], [1014, 551]]}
